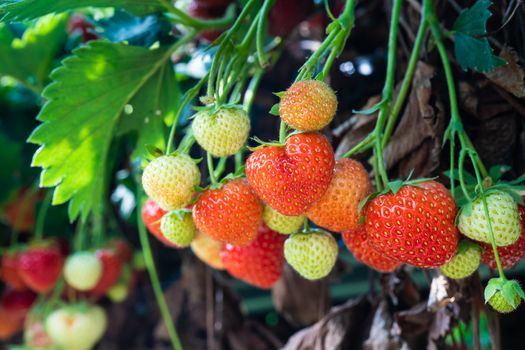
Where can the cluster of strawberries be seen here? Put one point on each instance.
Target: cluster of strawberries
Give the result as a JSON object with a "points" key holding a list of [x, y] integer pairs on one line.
{"points": [[37, 269], [250, 226]]}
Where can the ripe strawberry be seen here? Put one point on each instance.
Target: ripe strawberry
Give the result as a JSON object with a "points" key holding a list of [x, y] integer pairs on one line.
{"points": [[40, 266], [308, 105], [504, 215], [414, 226], [20, 212], [337, 210], [282, 223], [82, 270], [311, 254], [259, 263], [17, 303], [465, 262], [509, 255], [222, 133], [170, 180], [77, 327], [8, 327], [291, 178], [358, 244], [285, 15], [9, 271], [152, 215], [79, 25], [500, 304], [231, 214], [178, 229], [208, 250], [197, 9], [111, 268]]}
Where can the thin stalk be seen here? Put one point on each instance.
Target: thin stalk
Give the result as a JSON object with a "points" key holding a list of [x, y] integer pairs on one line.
{"points": [[220, 167], [283, 128], [183, 18], [42, 213], [261, 31], [155, 282], [249, 94], [211, 170]]}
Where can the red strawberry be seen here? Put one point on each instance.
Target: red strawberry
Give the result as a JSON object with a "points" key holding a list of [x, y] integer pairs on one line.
{"points": [[151, 215], [338, 209], [17, 303], [79, 25], [20, 212], [292, 177], [8, 326], [509, 255], [10, 271], [285, 15], [202, 11], [40, 266], [358, 244], [415, 225], [231, 214], [111, 268], [122, 249], [259, 263]]}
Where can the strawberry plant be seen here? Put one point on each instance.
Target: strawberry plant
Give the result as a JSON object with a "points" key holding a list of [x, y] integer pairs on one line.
{"points": [[234, 132]]}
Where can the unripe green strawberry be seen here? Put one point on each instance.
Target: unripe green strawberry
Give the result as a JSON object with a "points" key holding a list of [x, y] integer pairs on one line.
{"points": [[504, 215], [282, 223], [308, 105], [222, 133], [170, 180], [312, 254], [178, 228], [500, 304], [118, 293], [465, 262], [82, 270]]}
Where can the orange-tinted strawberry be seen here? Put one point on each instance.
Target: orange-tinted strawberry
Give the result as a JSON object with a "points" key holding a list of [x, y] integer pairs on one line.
{"points": [[415, 225], [308, 105], [40, 266], [338, 209], [358, 244], [292, 177], [208, 250], [509, 255], [258, 263], [9, 271], [20, 212], [111, 268], [231, 214], [152, 215]]}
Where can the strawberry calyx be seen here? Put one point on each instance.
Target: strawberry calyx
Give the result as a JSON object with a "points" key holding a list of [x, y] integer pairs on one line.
{"points": [[393, 187], [263, 144], [179, 213], [511, 291], [213, 108]]}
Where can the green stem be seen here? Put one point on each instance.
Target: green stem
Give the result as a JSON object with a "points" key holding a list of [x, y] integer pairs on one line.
{"points": [[261, 31], [306, 225], [42, 213], [249, 94], [364, 145], [461, 167], [183, 18], [211, 170], [239, 159], [407, 80], [155, 282], [283, 128], [220, 167]]}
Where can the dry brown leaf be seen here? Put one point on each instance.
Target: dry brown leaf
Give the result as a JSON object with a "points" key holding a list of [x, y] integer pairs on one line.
{"points": [[510, 76], [381, 336]]}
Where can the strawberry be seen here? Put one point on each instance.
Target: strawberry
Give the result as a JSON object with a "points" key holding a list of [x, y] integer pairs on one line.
{"points": [[282, 223], [509, 255], [504, 215], [122, 248], [8, 326], [207, 250], [502, 305], [259, 263], [292, 177], [178, 228], [465, 262], [80, 25], [170, 180], [415, 225], [40, 266], [151, 215], [35, 335], [20, 212], [231, 214], [111, 268], [222, 133], [311, 254], [17, 303], [82, 270], [358, 244], [285, 15], [197, 9], [308, 105], [337, 210], [77, 327], [9, 271]]}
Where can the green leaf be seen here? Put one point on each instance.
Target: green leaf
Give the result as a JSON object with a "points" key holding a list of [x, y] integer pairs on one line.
{"points": [[492, 287], [471, 49], [497, 171], [275, 110], [85, 101], [29, 58], [509, 294], [11, 160], [20, 10]]}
